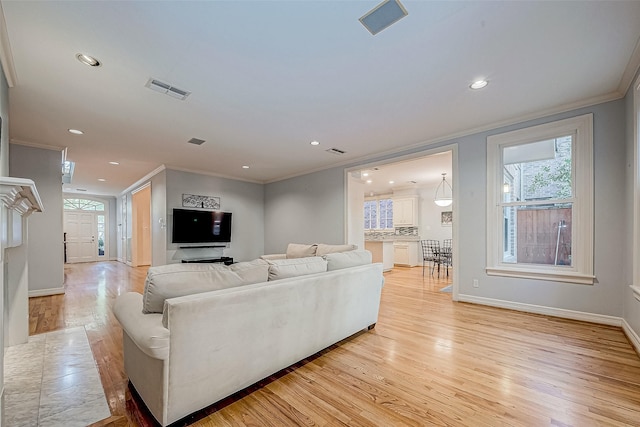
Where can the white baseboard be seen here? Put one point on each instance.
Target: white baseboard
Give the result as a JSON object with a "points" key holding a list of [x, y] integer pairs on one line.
{"points": [[46, 292], [540, 309], [631, 335]]}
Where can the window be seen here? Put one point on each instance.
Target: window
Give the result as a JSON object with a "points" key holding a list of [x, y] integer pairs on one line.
{"points": [[378, 214], [83, 204], [540, 202], [386, 213], [370, 214]]}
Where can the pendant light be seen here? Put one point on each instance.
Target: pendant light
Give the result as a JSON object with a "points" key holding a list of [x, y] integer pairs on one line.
{"points": [[444, 193]]}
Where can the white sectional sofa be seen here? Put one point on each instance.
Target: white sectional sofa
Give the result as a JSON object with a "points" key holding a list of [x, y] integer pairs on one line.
{"points": [[203, 332]]}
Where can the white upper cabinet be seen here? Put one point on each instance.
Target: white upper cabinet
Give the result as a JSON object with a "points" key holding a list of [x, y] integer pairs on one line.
{"points": [[405, 212]]}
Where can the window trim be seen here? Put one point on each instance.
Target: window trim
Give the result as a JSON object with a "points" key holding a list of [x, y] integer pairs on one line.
{"points": [[582, 201], [635, 285]]}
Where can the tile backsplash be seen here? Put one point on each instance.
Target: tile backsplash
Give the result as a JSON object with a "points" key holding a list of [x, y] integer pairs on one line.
{"points": [[398, 231], [406, 231]]}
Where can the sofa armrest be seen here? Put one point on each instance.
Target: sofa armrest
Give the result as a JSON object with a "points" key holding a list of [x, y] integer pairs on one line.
{"points": [[273, 256], [145, 330]]}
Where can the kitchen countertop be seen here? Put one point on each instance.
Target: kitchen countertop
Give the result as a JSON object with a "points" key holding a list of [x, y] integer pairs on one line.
{"points": [[395, 239]]}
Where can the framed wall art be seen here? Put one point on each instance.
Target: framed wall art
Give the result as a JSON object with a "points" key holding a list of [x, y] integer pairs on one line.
{"points": [[204, 202], [446, 218]]}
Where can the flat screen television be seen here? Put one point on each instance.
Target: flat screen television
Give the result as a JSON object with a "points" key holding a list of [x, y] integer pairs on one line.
{"points": [[191, 226]]}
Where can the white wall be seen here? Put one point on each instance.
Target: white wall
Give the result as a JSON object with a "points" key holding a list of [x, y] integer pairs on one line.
{"points": [[4, 171], [430, 215], [159, 218], [305, 209], [45, 235], [631, 305], [355, 213], [244, 200]]}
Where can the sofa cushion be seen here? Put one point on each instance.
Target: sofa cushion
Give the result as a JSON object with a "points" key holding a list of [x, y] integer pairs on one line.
{"points": [[339, 260], [283, 268], [297, 250], [330, 249], [174, 280]]}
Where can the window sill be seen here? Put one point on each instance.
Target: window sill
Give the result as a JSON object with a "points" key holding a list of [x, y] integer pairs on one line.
{"points": [[636, 291], [553, 276]]}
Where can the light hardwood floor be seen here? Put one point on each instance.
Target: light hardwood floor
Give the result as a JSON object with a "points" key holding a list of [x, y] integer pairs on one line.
{"points": [[428, 362]]}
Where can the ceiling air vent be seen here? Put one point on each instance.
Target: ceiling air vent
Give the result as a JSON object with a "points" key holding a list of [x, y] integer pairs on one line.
{"points": [[167, 89], [335, 151], [383, 15], [196, 141]]}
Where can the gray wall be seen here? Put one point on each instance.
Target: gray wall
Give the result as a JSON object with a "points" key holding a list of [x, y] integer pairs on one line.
{"points": [[606, 295], [311, 208], [244, 200], [305, 209], [46, 250]]}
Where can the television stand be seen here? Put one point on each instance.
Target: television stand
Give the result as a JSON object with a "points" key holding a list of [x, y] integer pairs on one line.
{"points": [[226, 260]]}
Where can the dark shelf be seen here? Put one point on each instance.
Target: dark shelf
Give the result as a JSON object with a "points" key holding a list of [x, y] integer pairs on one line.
{"points": [[226, 260], [202, 247]]}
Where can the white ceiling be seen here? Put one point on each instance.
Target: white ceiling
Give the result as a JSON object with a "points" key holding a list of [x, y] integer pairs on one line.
{"points": [[425, 171], [267, 77]]}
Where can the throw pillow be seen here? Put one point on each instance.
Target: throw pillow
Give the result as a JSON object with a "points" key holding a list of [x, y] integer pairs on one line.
{"points": [[330, 249], [297, 250], [339, 260], [283, 268]]}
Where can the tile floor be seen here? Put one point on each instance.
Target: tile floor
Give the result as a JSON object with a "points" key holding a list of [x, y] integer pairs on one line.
{"points": [[53, 381]]}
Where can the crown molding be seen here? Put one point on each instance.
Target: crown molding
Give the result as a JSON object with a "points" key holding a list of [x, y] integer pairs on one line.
{"points": [[217, 175], [630, 70], [6, 57], [414, 150], [35, 145]]}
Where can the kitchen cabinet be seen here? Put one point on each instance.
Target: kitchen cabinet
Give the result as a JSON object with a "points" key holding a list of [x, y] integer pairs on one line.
{"points": [[407, 253], [405, 212]]}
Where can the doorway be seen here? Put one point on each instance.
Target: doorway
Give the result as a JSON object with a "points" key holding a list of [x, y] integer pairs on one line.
{"points": [[413, 178], [85, 226]]}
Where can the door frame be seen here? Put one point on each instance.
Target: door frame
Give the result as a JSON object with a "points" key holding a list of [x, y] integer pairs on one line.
{"points": [[355, 227], [105, 213]]}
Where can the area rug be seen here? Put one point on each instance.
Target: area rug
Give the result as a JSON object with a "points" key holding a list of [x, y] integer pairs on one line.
{"points": [[446, 289]]}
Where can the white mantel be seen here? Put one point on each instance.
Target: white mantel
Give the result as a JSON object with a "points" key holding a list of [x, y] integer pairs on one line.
{"points": [[19, 198]]}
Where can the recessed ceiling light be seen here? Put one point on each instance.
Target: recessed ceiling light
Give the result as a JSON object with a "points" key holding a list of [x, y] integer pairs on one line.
{"points": [[365, 174], [314, 143], [369, 181], [479, 84], [114, 163], [88, 60], [101, 179], [391, 182], [245, 167], [75, 131]]}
